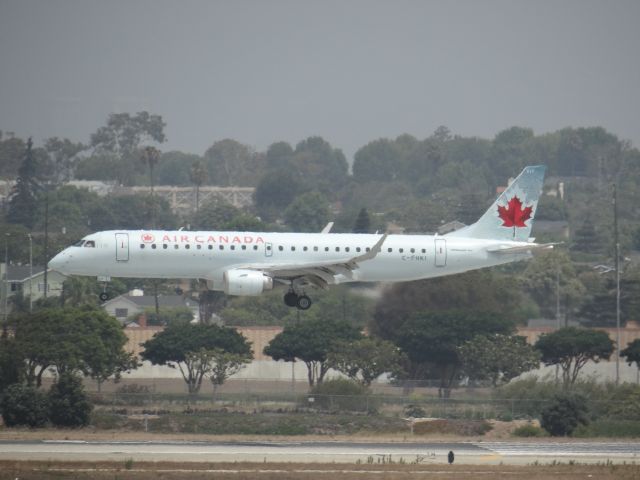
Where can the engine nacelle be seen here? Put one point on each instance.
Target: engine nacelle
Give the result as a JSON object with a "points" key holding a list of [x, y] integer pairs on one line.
{"points": [[246, 282]]}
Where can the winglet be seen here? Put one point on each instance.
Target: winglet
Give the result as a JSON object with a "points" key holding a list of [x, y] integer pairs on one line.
{"points": [[375, 250], [327, 228]]}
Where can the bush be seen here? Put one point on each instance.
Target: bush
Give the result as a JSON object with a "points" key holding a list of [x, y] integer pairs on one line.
{"points": [[68, 403], [341, 394], [608, 428], [415, 411], [132, 394], [23, 405], [529, 430], [566, 412]]}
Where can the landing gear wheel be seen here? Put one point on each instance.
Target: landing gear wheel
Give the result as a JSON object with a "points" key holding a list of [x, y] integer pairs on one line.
{"points": [[304, 302], [291, 299], [104, 296]]}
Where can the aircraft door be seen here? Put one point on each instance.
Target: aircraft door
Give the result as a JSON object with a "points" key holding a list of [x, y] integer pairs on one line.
{"points": [[122, 247], [441, 252], [268, 249]]}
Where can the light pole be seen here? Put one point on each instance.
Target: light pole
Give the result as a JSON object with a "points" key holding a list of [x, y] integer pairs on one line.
{"points": [[617, 266], [30, 273]]}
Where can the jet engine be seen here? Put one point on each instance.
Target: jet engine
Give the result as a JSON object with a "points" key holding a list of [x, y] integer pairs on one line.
{"points": [[246, 282]]}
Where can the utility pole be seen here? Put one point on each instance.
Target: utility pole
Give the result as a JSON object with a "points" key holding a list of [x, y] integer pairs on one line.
{"points": [[617, 265], [46, 240], [30, 273], [5, 323]]}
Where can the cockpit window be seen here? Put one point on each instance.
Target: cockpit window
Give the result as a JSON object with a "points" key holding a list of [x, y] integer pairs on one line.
{"points": [[90, 244], [79, 243]]}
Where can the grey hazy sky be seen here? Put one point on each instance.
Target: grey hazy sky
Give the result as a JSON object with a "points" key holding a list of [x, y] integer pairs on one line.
{"points": [[348, 70]]}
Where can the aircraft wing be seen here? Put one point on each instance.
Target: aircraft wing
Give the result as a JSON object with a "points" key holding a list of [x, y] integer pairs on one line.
{"points": [[321, 273]]}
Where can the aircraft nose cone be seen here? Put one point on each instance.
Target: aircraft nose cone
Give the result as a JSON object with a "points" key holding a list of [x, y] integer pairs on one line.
{"points": [[58, 262]]}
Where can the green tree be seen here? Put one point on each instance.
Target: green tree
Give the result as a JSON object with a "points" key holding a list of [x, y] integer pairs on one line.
{"points": [[11, 363], [189, 348], [231, 163], [23, 201], [632, 353], [311, 341], [308, 213], [483, 292], [62, 156], [566, 412], [198, 176], [377, 161], [122, 136], [270, 198], [320, 165], [69, 405], [225, 364], [175, 168], [24, 405], [365, 359], [86, 340], [571, 348], [363, 222], [431, 341], [11, 153], [542, 277], [497, 358]]}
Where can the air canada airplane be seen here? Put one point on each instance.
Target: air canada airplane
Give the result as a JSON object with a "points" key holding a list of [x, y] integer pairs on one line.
{"points": [[250, 263]]}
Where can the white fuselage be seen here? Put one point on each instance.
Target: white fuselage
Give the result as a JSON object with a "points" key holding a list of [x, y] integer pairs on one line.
{"points": [[208, 255]]}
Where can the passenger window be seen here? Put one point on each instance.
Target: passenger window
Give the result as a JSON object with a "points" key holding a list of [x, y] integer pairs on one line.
{"points": [[142, 245], [232, 247], [315, 249], [346, 249], [357, 249], [413, 250], [210, 247], [165, 246], [367, 249], [221, 247], [305, 248], [175, 247], [187, 246], [199, 247], [243, 247], [424, 250], [280, 247], [293, 249], [255, 247], [401, 250], [337, 249], [326, 249], [389, 250], [153, 246]]}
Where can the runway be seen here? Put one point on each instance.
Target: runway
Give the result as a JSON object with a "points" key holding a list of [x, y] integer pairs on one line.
{"points": [[473, 453]]}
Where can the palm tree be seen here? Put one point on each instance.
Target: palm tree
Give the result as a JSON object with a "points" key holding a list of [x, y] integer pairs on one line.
{"points": [[199, 176], [150, 156]]}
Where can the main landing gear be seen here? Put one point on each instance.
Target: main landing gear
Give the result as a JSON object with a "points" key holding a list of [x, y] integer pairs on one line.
{"points": [[292, 299], [104, 296]]}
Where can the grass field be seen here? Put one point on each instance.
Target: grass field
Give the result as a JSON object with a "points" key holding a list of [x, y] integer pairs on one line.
{"points": [[272, 471]]}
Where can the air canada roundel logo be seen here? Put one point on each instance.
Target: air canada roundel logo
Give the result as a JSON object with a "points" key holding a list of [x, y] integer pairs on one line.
{"points": [[147, 238]]}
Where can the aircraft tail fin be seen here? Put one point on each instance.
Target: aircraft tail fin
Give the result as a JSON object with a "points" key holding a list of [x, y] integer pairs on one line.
{"points": [[511, 215]]}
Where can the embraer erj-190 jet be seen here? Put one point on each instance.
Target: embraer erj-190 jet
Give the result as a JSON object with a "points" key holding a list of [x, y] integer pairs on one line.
{"points": [[250, 263]]}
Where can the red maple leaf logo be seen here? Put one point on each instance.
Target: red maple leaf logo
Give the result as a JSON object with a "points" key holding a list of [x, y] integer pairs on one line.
{"points": [[147, 238], [513, 215]]}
